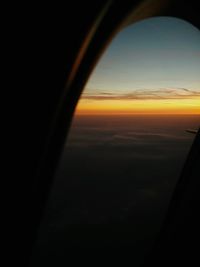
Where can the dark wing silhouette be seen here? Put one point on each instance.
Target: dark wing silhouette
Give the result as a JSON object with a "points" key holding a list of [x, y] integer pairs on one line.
{"points": [[191, 131]]}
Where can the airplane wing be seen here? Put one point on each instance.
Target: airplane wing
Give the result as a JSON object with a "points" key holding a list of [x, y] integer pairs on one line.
{"points": [[192, 131]]}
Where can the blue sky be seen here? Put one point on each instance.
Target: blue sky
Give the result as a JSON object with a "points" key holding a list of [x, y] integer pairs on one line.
{"points": [[154, 54]]}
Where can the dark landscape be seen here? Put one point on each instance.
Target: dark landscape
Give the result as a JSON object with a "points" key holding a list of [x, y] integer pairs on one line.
{"points": [[113, 186]]}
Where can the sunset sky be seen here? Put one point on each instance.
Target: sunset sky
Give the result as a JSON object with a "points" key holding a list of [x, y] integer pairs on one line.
{"points": [[150, 67]]}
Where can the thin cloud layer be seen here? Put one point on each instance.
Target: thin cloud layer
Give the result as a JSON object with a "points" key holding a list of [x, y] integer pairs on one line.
{"points": [[145, 94]]}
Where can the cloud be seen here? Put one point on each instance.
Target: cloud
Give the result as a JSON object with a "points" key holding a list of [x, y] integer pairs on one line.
{"points": [[145, 94], [135, 143]]}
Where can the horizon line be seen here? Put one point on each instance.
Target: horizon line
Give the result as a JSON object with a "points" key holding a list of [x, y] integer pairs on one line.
{"points": [[132, 114]]}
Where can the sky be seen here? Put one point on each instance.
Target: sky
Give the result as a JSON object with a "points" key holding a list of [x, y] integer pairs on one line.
{"points": [[152, 66]]}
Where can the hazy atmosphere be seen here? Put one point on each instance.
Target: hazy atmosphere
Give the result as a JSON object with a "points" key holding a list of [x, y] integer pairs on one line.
{"points": [[150, 67]]}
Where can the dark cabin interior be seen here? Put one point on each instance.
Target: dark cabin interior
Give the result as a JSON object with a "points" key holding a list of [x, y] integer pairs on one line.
{"points": [[61, 47]]}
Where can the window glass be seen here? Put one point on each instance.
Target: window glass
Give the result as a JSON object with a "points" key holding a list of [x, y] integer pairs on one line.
{"points": [[127, 144]]}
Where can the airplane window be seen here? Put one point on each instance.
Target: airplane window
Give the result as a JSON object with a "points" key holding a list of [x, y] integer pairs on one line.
{"points": [[127, 144]]}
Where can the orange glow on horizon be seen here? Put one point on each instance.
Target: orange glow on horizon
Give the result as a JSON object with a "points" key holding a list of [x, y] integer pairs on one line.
{"points": [[167, 106]]}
